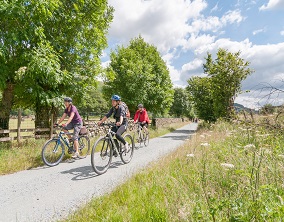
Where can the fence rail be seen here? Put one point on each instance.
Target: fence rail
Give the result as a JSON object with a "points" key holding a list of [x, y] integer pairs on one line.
{"points": [[92, 126]]}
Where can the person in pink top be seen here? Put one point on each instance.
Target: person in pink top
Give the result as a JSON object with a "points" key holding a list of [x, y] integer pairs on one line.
{"points": [[74, 122]]}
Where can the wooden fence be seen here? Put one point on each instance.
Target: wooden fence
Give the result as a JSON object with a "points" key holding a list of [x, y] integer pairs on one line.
{"points": [[92, 126]]}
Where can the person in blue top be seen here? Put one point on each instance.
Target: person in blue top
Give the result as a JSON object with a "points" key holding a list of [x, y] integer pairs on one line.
{"points": [[74, 122], [119, 113]]}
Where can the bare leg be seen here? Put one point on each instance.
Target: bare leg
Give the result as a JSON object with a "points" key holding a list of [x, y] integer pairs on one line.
{"points": [[76, 146]]}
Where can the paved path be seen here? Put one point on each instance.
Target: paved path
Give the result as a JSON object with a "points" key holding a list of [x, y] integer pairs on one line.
{"points": [[51, 193]]}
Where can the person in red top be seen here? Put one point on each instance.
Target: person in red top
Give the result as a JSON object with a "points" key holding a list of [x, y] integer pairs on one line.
{"points": [[141, 116]]}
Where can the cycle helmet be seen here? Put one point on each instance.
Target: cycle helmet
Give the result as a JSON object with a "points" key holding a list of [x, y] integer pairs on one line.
{"points": [[140, 106], [68, 99], [116, 98]]}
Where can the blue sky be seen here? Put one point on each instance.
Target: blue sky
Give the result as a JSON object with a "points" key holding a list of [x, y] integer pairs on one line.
{"points": [[184, 31]]}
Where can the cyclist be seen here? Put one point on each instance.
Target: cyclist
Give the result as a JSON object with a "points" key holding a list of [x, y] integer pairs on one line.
{"points": [[74, 122], [141, 116], [119, 113]]}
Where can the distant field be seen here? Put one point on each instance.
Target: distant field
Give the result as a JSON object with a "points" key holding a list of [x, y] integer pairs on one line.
{"points": [[25, 124]]}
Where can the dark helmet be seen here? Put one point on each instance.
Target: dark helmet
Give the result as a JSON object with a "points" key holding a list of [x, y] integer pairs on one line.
{"points": [[140, 106], [68, 99], [116, 98]]}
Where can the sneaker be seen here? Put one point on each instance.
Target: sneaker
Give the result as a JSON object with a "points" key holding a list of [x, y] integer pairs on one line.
{"points": [[126, 147], [75, 155]]}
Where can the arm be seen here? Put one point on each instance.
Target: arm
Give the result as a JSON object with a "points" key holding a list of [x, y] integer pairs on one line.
{"points": [[122, 115], [102, 120], [62, 118], [136, 117], [120, 121]]}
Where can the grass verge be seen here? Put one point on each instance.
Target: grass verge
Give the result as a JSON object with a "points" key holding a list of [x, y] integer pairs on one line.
{"points": [[16, 157], [224, 173]]}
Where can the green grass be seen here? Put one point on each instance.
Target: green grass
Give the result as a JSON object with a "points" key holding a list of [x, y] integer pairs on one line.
{"points": [[26, 155], [225, 173]]}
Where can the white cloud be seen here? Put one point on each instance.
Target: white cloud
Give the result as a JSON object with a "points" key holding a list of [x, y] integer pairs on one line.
{"points": [[255, 32], [215, 8], [273, 4], [232, 17], [160, 22], [282, 32]]}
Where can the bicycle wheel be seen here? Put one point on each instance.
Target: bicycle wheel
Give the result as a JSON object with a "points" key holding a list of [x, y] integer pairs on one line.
{"points": [[101, 155], [146, 138], [52, 152], [127, 156], [84, 146]]}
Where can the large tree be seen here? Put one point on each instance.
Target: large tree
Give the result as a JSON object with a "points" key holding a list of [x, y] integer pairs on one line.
{"points": [[49, 47], [227, 71], [139, 75], [182, 105], [221, 86]]}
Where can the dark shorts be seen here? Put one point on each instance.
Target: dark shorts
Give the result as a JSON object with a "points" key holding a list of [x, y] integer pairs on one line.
{"points": [[76, 126], [145, 124]]}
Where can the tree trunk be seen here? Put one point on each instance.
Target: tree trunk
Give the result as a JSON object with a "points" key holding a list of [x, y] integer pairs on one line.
{"points": [[6, 107]]}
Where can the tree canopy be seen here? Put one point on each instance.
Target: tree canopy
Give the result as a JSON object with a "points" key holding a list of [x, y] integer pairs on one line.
{"points": [[49, 48], [139, 75], [216, 92]]}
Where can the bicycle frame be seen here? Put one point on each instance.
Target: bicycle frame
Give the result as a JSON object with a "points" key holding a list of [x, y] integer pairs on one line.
{"points": [[60, 139], [110, 135]]}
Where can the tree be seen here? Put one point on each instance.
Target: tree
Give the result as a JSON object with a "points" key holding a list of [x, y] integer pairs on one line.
{"points": [[200, 90], [214, 95], [139, 75], [48, 48], [267, 109], [181, 105], [227, 72], [92, 101]]}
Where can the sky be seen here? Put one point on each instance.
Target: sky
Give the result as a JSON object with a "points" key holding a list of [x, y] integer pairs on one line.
{"points": [[185, 30]]}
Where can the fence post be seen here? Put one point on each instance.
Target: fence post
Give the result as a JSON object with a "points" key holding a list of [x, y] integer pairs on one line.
{"points": [[19, 125], [51, 126]]}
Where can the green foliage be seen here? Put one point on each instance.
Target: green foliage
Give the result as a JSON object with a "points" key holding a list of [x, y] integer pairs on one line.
{"points": [[267, 109], [139, 75], [182, 106], [92, 101], [200, 89], [221, 86], [50, 48]]}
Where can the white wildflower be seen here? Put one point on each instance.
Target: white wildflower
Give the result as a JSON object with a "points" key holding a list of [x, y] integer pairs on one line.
{"points": [[249, 147], [190, 155], [205, 144], [228, 165]]}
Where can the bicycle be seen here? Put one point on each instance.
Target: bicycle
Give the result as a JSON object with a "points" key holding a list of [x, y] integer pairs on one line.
{"points": [[53, 150], [141, 135], [106, 147]]}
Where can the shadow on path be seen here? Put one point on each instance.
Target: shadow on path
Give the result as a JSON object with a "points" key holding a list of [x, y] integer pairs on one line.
{"points": [[81, 173]]}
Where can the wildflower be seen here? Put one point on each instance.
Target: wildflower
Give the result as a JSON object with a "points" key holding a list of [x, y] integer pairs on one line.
{"points": [[205, 144], [190, 155], [249, 147], [228, 165], [281, 156]]}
